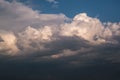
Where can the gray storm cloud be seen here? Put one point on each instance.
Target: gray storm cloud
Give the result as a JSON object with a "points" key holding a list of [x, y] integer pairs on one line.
{"points": [[52, 29]]}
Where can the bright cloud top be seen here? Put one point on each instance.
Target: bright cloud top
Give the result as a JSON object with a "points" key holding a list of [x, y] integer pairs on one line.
{"points": [[8, 43]]}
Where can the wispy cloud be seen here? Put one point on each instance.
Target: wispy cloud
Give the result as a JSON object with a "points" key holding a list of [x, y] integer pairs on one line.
{"points": [[54, 3]]}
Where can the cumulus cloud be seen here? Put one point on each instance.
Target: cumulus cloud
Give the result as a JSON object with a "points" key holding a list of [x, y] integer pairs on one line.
{"points": [[50, 36], [33, 39], [90, 29], [8, 43]]}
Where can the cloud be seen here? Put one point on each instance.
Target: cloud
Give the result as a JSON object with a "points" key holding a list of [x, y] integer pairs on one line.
{"points": [[52, 1], [19, 16], [33, 39], [90, 29], [68, 52], [8, 43], [55, 36]]}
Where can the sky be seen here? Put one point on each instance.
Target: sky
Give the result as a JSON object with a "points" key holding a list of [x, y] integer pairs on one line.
{"points": [[59, 40], [105, 10]]}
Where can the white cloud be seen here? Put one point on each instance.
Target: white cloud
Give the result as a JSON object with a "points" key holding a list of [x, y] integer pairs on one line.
{"points": [[33, 39], [19, 16], [8, 43], [90, 29], [52, 1]]}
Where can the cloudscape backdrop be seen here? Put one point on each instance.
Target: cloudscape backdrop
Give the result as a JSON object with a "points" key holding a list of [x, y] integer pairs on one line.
{"points": [[55, 40]]}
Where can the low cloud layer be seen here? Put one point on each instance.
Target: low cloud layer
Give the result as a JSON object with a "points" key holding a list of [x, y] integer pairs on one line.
{"points": [[24, 31]]}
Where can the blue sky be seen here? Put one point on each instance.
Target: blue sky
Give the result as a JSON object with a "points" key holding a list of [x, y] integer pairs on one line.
{"points": [[105, 10]]}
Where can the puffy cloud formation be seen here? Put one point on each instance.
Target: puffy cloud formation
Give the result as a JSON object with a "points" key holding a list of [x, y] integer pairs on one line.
{"points": [[8, 43], [33, 39], [90, 29], [50, 36]]}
